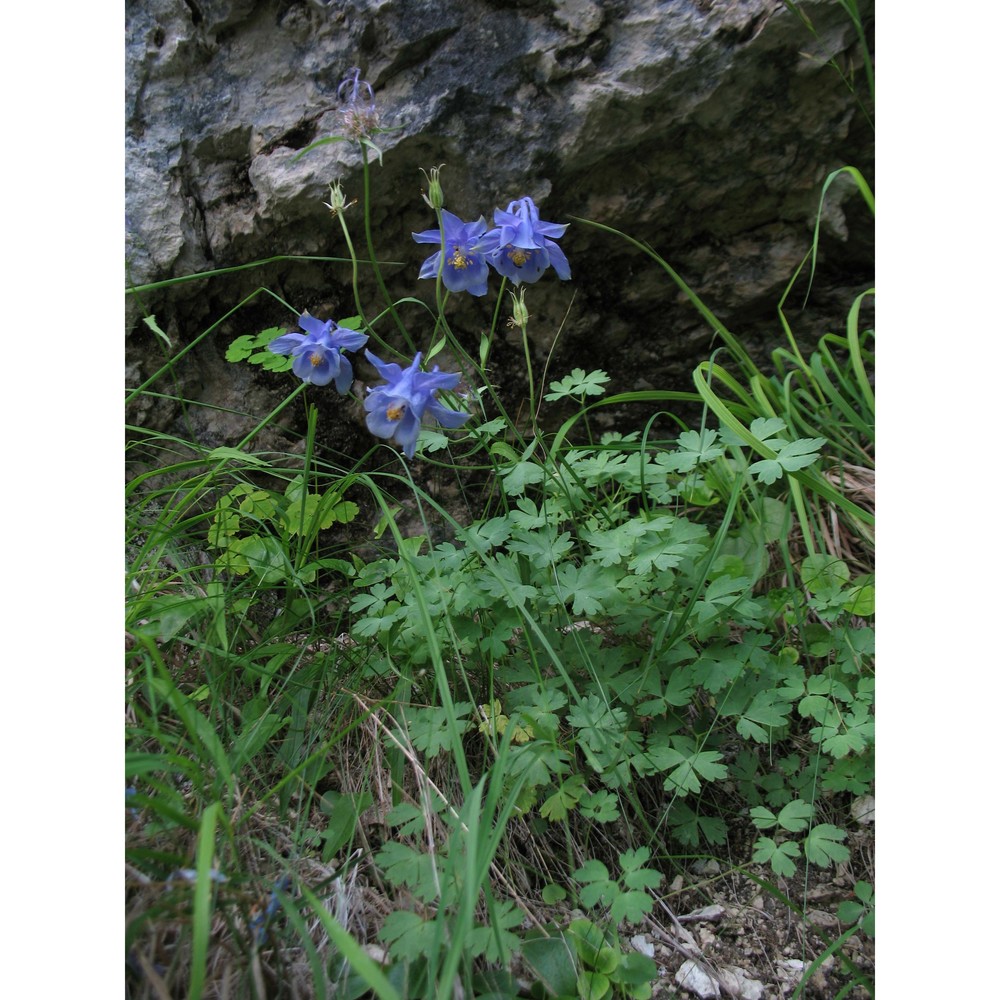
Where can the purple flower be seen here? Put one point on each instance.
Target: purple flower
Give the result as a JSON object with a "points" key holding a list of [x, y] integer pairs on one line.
{"points": [[397, 409], [262, 917], [361, 116], [465, 267], [317, 354], [521, 246], [353, 91]]}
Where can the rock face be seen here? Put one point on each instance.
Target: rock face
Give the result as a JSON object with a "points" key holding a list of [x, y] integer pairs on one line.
{"points": [[703, 128]]}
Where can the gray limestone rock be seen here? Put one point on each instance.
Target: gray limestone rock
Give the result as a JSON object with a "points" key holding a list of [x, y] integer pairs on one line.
{"points": [[704, 128]]}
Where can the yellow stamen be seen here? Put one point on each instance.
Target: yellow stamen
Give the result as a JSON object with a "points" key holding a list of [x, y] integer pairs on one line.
{"points": [[519, 256], [396, 412], [315, 359], [459, 259]]}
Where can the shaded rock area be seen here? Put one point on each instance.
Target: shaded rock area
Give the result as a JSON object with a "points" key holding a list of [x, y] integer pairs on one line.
{"points": [[703, 128]]}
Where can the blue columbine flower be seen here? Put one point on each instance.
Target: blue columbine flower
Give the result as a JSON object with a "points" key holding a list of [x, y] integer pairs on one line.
{"points": [[465, 267], [521, 246], [262, 917], [318, 353], [396, 410]]}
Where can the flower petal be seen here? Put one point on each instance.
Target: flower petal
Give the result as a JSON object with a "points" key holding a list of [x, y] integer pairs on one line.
{"points": [[558, 260], [345, 377], [316, 327], [287, 343], [446, 417], [347, 339], [428, 236], [430, 266]]}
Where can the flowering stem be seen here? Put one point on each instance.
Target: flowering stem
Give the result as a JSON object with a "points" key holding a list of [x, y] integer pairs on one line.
{"points": [[354, 268], [371, 251], [531, 377]]}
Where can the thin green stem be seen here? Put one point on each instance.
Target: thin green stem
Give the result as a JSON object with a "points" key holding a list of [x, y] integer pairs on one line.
{"points": [[366, 170]]}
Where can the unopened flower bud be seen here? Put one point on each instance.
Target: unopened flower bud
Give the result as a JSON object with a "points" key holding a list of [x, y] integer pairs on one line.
{"points": [[435, 195], [520, 310], [337, 200]]}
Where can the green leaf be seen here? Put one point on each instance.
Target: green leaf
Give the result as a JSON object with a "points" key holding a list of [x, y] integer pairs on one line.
{"points": [[795, 816], [221, 453], [767, 711], [241, 348], [489, 534], [316, 512], [634, 860], [404, 866], [578, 384], [408, 935], [778, 855], [563, 800], [642, 878], [482, 940], [631, 906], [167, 614], [343, 810], [680, 689], [270, 361], [553, 893], [592, 985], [767, 470], [538, 762], [798, 454], [636, 969], [850, 774], [695, 448], [820, 708], [502, 580], [822, 846], [860, 601], [764, 428], [551, 959], [714, 829], [852, 741], [600, 806], [265, 556], [587, 938], [150, 321], [598, 886], [685, 777], [590, 586], [763, 818], [430, 728], [407, 819], [606, 960], [517, 479], [664, 551], [823, 572], [543, 547], [715, 674]]}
